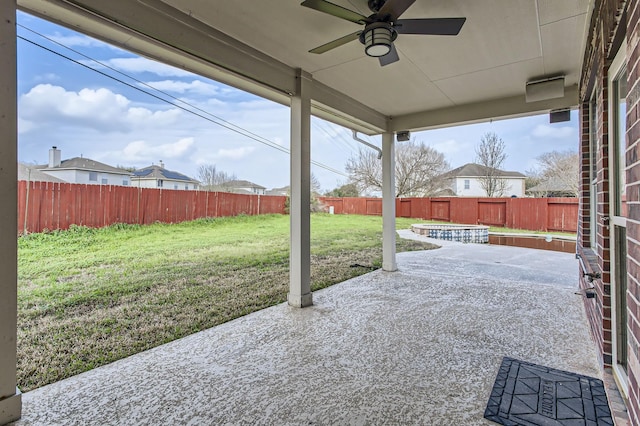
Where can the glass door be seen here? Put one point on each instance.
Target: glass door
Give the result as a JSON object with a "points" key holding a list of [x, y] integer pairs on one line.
{"points": [[618, 212]]}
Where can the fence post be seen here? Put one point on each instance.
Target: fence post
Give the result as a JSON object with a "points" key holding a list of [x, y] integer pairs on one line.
{"points": [[26, 205]]}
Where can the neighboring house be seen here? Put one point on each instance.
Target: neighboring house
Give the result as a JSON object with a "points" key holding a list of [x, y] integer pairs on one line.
{"points": [[285, 190], [552, 187], [156, 176], [466, 181], [244, 187], [31, 173], [84, 170]]}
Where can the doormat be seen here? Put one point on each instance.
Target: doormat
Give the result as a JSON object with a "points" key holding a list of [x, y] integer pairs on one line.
{"points": [[530, 394]]}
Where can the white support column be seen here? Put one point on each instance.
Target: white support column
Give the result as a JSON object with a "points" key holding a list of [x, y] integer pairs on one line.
{"points": [[10, 399], [300, 198], [388, 203]]}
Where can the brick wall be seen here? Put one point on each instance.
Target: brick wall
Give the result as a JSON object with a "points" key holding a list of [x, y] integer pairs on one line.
{"points": [[594, 94], [611, 22], [633, 205]]}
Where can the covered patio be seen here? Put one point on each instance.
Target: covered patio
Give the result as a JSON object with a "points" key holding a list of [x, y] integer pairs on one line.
{"points": [[418, 346], [510, 59]]}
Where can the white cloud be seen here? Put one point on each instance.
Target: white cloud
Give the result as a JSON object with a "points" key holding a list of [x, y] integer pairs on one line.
{"points": [[553, 132], [100, 109], [234, 153], [194, 87], [48, 77], [144, 152], [140, 65], [25, 125], [76, 40]]}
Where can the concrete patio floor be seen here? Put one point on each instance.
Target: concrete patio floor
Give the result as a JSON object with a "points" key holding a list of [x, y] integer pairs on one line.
{"points": [[417, 346]]}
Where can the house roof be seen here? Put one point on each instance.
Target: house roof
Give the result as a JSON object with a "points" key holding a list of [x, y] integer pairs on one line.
{"points": [[33, 174], [81, 163], [242, 184], [478, 170], [157, 172], [551, 185], [285, 190]]}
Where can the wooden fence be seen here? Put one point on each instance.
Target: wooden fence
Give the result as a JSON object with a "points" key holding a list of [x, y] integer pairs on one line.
{"points": [[536, 214], [48, 206]]}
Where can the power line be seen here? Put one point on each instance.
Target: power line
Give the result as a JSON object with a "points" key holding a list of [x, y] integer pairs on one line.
{"points": [[215, 120], [331, 137]]}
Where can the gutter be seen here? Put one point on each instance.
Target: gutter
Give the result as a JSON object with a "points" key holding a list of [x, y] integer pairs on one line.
{"points": [[356, 138]]}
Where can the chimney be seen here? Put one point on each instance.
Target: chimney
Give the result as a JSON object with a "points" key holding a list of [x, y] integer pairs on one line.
{"points": [[161, 164], [54, 157]]}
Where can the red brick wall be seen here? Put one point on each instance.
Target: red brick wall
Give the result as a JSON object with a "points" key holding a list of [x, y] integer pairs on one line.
{"points": [[633, 205], [611, 22]]}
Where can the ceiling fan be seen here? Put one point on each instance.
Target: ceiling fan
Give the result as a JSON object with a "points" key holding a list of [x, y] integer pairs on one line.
{"points": [[383, 26]]}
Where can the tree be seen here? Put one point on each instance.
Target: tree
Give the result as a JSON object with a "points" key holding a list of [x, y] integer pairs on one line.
{"points": [[419, 170], [533, 178], [346, 190], [212, 179], [315, 185], [560, 171], [490, 154]]}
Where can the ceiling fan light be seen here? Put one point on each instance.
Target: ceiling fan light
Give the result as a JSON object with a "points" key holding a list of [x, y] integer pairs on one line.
{"points": [[377, 41]]}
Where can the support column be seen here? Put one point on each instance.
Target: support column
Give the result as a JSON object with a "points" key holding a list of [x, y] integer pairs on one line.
{"points": [[10, 399], [300, 198], [388, 203]]}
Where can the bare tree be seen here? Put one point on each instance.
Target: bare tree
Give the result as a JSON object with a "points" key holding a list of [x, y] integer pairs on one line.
{"points": [[315, 185], [419, 171], [560, 170], [212, 179], [490, 154]]}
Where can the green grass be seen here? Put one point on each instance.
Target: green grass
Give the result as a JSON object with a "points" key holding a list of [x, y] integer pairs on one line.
{"points": [[88, 297]]}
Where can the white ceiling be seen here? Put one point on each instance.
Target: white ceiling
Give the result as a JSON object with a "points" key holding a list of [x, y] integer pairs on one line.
{"points": [[477, 75]]}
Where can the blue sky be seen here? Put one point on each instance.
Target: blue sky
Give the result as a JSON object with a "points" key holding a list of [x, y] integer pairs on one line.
{"points": [[87, 114]]}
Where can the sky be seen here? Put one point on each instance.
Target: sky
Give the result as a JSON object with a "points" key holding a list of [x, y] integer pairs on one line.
{"points": [[85, 113]]}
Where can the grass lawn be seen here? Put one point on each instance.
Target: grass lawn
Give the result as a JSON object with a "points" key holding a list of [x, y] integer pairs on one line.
{"points": [[87, 297]]}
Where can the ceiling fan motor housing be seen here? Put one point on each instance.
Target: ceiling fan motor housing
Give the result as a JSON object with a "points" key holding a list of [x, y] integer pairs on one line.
{"points": [[377, 38], [375, 5]]}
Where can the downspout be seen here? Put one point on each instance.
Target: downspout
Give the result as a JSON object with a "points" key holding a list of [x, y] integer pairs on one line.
{"points": [[355, 137]]}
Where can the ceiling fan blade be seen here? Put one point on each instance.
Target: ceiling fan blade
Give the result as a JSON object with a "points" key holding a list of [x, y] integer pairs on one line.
{"points": [[430, 26], [390, 57], [394, 8], [335, 10], [336, 43]]}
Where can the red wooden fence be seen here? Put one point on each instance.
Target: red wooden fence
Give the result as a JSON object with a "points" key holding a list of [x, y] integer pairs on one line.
{"points": [[536, 214], [48, 206]]}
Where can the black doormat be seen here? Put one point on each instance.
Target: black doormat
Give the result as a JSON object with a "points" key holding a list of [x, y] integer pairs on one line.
{"points": [[530, 394]]}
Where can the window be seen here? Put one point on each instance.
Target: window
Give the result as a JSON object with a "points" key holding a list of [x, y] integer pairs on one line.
{"points": [[125, 182], [467, 184], [93, 176], [160, 183], [175, 186], [104, 181], [620, 144], [186, 187]]}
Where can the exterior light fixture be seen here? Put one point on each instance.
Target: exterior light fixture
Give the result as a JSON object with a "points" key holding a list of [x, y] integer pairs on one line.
{"points": [[544, 89], [377, 38]]}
